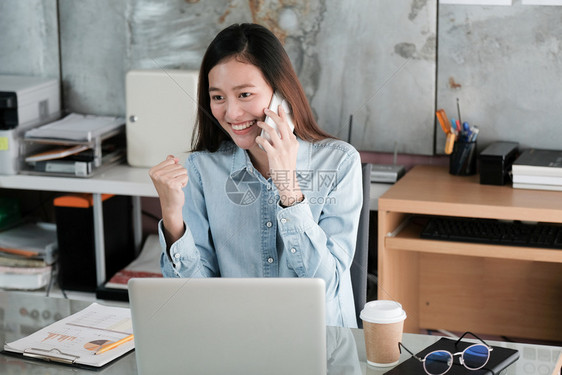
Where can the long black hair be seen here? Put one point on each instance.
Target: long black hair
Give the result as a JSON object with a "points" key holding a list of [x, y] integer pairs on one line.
{"points": [[256, 45]]}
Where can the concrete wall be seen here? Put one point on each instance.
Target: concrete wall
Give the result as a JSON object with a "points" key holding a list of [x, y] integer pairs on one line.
{"points": [[504, 63], [353, 58], [387, 63], [29, 38]]}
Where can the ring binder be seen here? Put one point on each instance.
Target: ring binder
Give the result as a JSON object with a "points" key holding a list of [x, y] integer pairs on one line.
{"points": [[43, 354]]}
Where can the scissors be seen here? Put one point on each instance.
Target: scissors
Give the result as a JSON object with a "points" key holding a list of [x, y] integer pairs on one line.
{"points": [[446, 126]]}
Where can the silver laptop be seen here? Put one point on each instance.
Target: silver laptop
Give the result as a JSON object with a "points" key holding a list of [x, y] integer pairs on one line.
{"points": [[229, 325]]}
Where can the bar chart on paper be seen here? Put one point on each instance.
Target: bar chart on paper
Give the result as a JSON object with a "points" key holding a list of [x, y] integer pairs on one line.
{"points": [[81, 337]]}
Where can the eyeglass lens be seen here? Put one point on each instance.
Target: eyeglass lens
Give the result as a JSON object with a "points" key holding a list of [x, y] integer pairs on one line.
{"points": [[473, 358], [438, 362]]}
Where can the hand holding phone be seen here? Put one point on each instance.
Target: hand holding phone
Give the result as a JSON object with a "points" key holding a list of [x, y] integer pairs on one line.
{"points": [[277, 100]]}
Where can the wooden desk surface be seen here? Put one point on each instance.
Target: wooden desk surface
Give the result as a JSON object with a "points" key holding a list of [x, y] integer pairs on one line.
{"points": [[432, 190]]}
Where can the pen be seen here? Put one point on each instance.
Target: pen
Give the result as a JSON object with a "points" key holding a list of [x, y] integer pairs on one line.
{"points": [[454, 127], [466, 131], [474, 135], [459, 110], [104, 349]]}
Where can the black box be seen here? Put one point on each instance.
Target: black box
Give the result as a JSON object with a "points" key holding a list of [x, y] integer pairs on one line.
{"points": [[496, 161], [75, 235]]}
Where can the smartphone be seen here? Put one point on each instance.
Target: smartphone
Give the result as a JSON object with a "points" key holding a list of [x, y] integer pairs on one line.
{"points": [[277, 100]]}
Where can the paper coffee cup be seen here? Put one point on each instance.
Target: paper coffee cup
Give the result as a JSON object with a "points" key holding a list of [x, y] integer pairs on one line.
{"points": [[383, 324]]}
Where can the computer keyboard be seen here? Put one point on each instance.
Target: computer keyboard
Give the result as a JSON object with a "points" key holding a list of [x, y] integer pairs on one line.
{"points": [[493, 232]]}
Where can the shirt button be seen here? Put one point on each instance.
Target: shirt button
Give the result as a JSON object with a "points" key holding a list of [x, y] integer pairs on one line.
{"points": [[293, 250], [283, 221], [269, 224], [270, 260]]}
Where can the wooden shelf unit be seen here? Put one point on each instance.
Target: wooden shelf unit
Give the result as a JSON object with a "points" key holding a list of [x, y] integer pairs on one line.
{"points": [[489, 289]]}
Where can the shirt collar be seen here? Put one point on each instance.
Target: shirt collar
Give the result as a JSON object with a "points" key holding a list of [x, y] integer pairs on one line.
{"points": [[241, 159]]}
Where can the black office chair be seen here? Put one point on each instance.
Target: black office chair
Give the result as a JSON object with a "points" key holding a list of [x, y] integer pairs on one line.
{"points": [[359, 267]]}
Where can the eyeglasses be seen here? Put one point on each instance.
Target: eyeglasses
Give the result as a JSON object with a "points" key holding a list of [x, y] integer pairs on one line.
{"points": [[439, 362]]}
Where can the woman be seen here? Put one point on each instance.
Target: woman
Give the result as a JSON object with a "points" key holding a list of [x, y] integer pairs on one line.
{"points": [[245, 206]]}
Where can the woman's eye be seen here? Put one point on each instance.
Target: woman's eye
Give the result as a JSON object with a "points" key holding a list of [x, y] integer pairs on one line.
{"points": [[245, 95], [217, 97]]}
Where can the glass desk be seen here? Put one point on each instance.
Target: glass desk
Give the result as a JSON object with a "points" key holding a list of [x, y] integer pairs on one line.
{"points": [[23, 313]]}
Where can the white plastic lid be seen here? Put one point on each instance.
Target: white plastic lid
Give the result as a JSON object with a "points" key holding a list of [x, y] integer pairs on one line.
{"points": [[383, 311]]}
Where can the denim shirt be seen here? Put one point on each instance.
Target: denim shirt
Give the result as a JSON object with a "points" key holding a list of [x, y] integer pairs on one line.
{"points": [[235, 226]]}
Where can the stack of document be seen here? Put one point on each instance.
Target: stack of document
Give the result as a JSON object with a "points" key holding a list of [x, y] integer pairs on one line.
{"points": [[78, 145], [77, 127], [27, 255], [147, 264], [92, 337], [538, 169]]}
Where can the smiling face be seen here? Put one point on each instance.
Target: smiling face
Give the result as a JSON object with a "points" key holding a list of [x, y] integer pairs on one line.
{"points": [[239, 93]]}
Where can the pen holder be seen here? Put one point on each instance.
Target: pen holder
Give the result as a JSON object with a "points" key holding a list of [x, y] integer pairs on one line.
{"points": [[462, 161]]}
